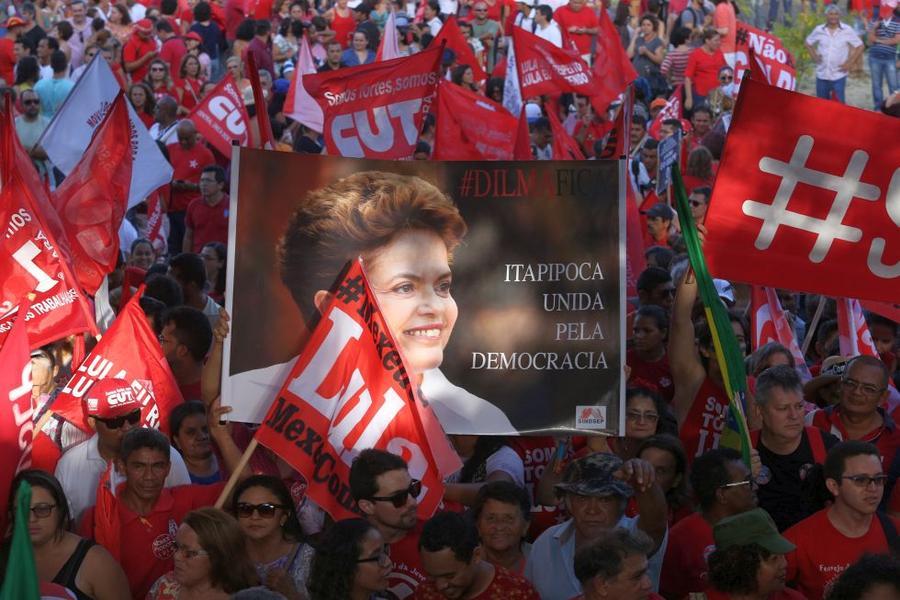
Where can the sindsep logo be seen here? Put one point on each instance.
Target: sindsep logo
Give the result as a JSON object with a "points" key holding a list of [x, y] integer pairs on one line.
{"points": [[590, 417]]}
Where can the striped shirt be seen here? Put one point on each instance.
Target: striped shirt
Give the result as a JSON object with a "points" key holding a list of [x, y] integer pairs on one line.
{"points": [[674, 64], [885, 29]]}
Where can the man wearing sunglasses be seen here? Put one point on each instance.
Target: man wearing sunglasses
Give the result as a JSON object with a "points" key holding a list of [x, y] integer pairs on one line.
{"points": [[859, 414], [387, 496], [836, 537], [112, 410], [30, 125]]}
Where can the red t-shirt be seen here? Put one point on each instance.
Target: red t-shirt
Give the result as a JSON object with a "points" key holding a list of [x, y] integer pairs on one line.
{"points": [[173, 51], [234, 15], [135, 48], [504, 586], [705, 422], [823, 552], [724, 16], [658, 373], [886, 437], [785, 594], [7, 61], [703, 69], [565, 17], [209, 223], [187, 166], [684, 567], [147, 555], [408, 573]]}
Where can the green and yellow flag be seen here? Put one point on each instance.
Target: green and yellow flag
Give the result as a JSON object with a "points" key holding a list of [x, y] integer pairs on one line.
{"points": [[20, 581]]}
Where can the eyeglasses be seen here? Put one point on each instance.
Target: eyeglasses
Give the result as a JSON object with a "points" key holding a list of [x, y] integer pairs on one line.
{"points": [[696, 203], [726, 78], [865, 481], [30, 102], [266, 510], [637, 416], [866, 388], [42, 510], [156, 69], [746, 481], [190, 553], [382, 558], [398, 499], [116, 422]]}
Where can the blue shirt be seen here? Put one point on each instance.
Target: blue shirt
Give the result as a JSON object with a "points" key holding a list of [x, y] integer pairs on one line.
{"points": [[53, 93], [349, 58]]}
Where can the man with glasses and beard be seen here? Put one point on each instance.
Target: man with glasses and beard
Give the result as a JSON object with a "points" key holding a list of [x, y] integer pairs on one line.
{"points": [[387, 497], [112, 411], [30, 125]]}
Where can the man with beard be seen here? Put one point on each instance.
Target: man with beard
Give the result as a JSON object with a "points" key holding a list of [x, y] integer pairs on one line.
{"points": [[387, 496], [185, 340]]}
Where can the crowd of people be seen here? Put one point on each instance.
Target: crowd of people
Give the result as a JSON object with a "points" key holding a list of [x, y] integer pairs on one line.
{"points": [[662, 511]]}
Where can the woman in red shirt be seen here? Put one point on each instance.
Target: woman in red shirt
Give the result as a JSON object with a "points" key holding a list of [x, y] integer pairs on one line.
{"points": [[702, 73], [342, 22], [143, 102], [192, 81], [160, 81]]}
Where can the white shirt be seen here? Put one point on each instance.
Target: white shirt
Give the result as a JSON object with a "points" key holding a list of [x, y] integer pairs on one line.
{"points": [[80, 468], [435, 25], [166, 136], [551, 33], [525, 22], [448, 7], [833, 47]]}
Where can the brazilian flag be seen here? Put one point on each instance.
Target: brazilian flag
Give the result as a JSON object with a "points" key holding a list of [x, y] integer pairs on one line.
{"points": [[20, 581], [728, 353]]}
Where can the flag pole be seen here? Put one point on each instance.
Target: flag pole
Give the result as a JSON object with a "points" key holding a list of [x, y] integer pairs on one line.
{"points": [[820, 309], [236, 474]]}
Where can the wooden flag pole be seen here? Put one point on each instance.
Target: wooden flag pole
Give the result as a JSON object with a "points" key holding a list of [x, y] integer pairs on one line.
{"points": [[236, 474], [813, 324]]}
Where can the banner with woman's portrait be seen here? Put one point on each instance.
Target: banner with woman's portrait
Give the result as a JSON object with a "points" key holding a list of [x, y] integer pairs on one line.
{"points": [[502, 282]]}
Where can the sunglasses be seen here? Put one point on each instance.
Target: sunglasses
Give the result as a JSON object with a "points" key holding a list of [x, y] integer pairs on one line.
{"points": [[398, 499], [157, 69], [266, 510], [30, 102], [133, 418], [695, 203]]}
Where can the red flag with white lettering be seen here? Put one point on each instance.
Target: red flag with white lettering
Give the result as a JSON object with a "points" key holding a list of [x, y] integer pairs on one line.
{"points": [[92, 199], [16, 425], [456, 41], [472, 127], [672, 110], [546, 69], [131, 351], [854, 337], [612, 67], [771, 56], [812, 188], [770, 324], [376, 110], [221, 117], [348, 391]]}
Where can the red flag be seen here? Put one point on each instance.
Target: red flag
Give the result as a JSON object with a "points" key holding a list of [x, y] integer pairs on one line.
{"points": [[376, 110], [389, 47], [129, 350], [522, 150], [349, 391], [564, 145], [93, 198], [456, 41], [772, 58], [770, 324], [888, 310], [756, 69], [811, 188], [635, 261], [154, 223], [221, 117], [266, 139], [672, 110], [613, 70], [16, 425], [472, 127], [854, 337], [546, 69]]}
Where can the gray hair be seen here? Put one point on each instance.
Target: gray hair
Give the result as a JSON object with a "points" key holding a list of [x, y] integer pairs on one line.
{"points": [[782, 377], [833, 8]]}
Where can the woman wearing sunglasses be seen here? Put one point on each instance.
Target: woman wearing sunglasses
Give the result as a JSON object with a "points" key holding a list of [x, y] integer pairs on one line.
{"points": [[63, 558], [351, 563], [275, 542]]}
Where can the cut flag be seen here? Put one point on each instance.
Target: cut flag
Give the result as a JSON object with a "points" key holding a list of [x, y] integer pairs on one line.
{"points": [[298, 104], [470, 126], [16, 413], [221, 117]]}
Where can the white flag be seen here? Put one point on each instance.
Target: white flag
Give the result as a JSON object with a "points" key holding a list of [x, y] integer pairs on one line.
{"points": [[69, 134], [299, 105], [512, 92], [390, 46]]}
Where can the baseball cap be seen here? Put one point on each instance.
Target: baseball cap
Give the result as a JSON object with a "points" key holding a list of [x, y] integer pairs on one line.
{"points": [[593, 476], [661, 210], [750, 527], [14, 22], [193, 35], [658, 103], [110, 398], [832, 371], [145, 25]]}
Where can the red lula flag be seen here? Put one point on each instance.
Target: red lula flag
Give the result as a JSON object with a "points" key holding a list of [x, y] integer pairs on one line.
{"points": [[771, 55], [16, 424], [854, 337], [221, 117], [770, 324], [472, 127], [298, 104], [348, 391], [672, 110], [546, 69], [376, 110], [389, 47], [613, 70], [807, 197], [451, 35], [92, 199], [129, 350]]}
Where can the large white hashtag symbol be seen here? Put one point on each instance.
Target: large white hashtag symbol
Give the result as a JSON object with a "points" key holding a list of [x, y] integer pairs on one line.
{"points": [[827, 230]]}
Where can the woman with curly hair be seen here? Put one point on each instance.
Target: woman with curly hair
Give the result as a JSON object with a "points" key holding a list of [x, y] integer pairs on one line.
{"points": [[350, 564], [749, 562]]}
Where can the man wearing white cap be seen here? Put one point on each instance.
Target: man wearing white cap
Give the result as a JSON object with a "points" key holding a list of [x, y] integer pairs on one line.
{"points": [[112, 410]]}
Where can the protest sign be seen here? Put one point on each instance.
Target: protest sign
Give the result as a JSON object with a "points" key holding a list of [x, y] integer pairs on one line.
{"points": [[537, 345], [770, 54], [669, 150]]}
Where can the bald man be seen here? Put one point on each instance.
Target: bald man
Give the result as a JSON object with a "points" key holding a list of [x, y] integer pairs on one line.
{"points": [[188, 159]]}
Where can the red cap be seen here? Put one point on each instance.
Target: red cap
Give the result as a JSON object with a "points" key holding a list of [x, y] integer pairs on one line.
{"points": [[110, 398], [193, 35], [145, 25], [14, 22]]}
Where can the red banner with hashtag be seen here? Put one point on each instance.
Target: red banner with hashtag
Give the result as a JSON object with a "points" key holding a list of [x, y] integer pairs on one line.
{"points": [[807, 197]]}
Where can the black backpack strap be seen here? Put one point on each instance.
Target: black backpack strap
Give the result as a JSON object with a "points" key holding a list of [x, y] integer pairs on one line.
{"points": [[890, 532]]}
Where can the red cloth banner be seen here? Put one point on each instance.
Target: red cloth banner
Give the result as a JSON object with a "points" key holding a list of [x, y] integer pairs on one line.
{"points": [[93, 198], [770, 324], [221, 117], [129, 350], [347, 392], [770, 54], [472, 127], [812, 188], [49, 316], [564, 145], [16, 424], [672, 110], [888, 310], [376, 110], [546, 69], [456, 41], [613, 70], [854, 337]]}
